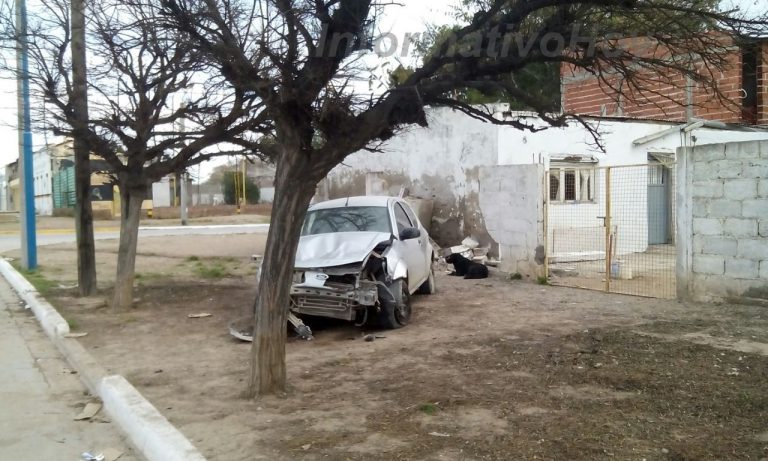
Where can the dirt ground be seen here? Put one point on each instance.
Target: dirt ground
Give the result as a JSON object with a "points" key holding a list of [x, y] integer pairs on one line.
{"points": [[650, 273], [488, 369]]}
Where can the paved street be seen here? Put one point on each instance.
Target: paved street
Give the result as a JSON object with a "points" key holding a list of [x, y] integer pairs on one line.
{"points": [[39, 395], [51, 237]]}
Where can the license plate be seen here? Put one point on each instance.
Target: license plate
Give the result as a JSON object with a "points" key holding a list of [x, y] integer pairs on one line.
{"points": [[315, 279]]}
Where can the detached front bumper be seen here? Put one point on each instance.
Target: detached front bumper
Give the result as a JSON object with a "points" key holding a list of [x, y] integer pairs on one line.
{"points": [[335, 300]]}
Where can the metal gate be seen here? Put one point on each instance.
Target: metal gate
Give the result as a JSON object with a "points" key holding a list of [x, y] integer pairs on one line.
{"points": [[612, 228]]}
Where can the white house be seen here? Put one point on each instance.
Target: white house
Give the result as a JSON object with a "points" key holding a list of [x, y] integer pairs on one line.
{"points": [[42, 173], [452, 161], [641, 157]]}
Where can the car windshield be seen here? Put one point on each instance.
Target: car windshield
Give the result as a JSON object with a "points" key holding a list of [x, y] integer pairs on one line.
{"points": [[347, 219]]}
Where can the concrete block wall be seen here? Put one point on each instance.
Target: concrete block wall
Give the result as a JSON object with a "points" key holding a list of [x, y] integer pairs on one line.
{"points": [[512, 201], [762, 85], [723, 222]]}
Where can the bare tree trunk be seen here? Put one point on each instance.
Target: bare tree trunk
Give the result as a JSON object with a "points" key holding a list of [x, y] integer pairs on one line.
{"points": [[292, 196], [86, 250], [131, 199]]}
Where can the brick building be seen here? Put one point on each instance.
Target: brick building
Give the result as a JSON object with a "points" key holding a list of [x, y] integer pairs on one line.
{"points": [[744, 83]]}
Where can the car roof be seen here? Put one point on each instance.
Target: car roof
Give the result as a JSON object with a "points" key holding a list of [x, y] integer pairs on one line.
{"points": [[368, 200]]}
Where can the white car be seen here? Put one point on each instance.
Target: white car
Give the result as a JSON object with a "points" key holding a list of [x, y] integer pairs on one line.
{"points": [[360, 259]]}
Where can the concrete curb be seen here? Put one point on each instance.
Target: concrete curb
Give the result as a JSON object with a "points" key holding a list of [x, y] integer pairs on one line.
{"points": [[51, 321], [147, 429]]}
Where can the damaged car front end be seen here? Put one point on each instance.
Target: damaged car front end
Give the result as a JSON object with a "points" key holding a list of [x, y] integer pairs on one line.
{"points": [[359, 259], [347, 291]]}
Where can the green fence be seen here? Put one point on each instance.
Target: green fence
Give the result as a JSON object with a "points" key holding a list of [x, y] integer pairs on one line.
{"points": [[64, 188]]}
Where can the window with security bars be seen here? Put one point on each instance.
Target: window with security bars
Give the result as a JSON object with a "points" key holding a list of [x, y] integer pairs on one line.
{"points": [[656, 175], [572, 184]]}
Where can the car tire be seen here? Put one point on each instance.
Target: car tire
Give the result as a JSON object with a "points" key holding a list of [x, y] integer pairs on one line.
{"points": [[395, 313], [428, 287]]}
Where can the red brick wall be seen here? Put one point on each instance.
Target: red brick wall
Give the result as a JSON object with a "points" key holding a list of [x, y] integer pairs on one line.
{"points": [[762, 88], [662, 97]]}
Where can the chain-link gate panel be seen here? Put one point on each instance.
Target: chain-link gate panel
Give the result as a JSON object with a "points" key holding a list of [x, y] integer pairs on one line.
{"points": [[612, 228]]}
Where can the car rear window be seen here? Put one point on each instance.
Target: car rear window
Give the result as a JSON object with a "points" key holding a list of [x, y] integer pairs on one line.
{"points": [[347, 219]]}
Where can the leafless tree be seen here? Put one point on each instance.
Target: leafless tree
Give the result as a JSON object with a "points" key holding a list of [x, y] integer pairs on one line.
{"points": [[298, 57], [143, 84], [86, 246], [10, 37]]}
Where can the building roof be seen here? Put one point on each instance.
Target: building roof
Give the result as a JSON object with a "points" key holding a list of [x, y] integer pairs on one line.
{"points": [[672, 123]]}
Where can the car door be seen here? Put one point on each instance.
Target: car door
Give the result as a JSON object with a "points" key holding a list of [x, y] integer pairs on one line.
{"points": [[410, 250], [424, 243]]}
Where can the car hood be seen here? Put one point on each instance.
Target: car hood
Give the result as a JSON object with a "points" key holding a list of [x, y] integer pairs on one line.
{"points": [[336, 249]]}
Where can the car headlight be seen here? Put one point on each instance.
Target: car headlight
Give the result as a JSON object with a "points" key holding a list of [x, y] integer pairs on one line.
{"points": [[298, 277]]}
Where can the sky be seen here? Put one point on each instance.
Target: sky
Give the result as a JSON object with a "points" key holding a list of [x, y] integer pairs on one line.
{"points": [[409, 17], [399, 19]]}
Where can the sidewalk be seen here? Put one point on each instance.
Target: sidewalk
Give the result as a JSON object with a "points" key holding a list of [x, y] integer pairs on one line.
{"points": [[40, 395]]}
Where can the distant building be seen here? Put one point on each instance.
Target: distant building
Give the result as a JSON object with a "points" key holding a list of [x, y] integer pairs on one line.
{"points": [[263, 174], [54, 184], [12, 191]]}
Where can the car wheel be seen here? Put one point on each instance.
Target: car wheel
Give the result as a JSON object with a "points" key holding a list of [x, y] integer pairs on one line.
{"points": [[395, 313], [428, 287]]}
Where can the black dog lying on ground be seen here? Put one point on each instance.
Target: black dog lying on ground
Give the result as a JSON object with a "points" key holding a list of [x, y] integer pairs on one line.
{"points": [[466, 268]]}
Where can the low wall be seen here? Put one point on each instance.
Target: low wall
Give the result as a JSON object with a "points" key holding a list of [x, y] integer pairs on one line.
{"points": [[723, 222], [512, 203], [213, 210], [440, 163], [101, 214]]}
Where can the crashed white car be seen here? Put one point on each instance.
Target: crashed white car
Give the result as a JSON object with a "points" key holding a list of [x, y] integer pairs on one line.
{"points": [[359, 259]]}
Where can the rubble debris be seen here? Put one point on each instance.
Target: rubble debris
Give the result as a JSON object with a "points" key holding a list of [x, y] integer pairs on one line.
{"points": [[243, 328], [75, 335], [108, 454], [89, 411], [459, 249], [470, 248], [439, 434], [200, 315], [492, 262], [470, 243], [302, 330], [564, 272]]}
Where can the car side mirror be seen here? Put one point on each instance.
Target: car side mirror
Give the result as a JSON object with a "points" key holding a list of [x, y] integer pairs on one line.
{"points": [[410, 233]]}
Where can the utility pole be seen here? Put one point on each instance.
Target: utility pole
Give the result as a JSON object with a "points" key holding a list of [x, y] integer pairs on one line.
{"points": [[183, 179], [86, 248], [26, 172], [245, 201]]}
